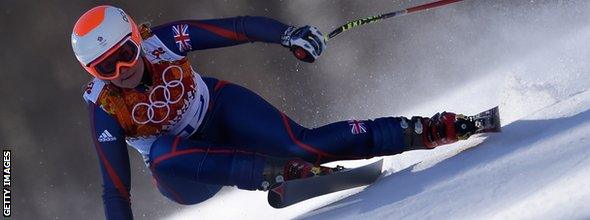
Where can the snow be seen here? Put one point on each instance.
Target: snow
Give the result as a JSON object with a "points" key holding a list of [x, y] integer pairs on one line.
{"points": [[538, 167]]}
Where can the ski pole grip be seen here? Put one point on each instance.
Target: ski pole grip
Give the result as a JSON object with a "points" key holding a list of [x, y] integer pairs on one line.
{"points": [[302, 54]]}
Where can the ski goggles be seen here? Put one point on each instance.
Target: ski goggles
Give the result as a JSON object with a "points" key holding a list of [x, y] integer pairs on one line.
{"points": [[108, 66]]}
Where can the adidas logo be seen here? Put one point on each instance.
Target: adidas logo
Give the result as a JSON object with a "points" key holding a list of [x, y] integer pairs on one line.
{"points": [[106, 137]]}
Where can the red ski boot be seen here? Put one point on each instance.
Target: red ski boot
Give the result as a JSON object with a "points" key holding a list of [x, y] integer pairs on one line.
{"points": [[298, 168], [279, 170], [439, 130]]}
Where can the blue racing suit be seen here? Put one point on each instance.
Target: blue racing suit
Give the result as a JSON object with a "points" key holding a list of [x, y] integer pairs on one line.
{"points": [[216, 133]]}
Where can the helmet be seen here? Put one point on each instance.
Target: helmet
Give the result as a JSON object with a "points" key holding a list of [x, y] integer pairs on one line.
{"points": [[105, 39]]}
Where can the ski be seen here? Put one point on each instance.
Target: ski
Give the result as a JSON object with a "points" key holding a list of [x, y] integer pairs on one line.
{"points": [[484, 122], [291, 192]]}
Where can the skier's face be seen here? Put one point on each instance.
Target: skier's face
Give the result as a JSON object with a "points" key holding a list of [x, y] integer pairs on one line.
{"points": [[130, 76]]}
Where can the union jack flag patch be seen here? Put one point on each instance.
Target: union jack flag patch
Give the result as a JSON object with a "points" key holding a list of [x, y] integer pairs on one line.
{"points": [[182, 38], [357, 127]]}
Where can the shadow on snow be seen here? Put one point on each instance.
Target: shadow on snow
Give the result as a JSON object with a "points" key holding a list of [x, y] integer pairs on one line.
{"points": [[514, 137]]}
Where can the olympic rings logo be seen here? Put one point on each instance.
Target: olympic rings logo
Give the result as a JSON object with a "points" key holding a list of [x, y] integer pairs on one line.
{"points": [[157, 104]]}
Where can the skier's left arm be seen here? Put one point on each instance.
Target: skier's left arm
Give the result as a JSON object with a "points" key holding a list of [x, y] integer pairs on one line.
{"points": [[190, 35]]}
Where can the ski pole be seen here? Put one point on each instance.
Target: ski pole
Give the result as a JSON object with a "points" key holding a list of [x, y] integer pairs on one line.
{"points": [[375, 18], [301, 54]]}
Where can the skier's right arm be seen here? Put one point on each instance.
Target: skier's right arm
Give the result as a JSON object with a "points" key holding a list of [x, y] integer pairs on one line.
{"points": [[109, 142]]}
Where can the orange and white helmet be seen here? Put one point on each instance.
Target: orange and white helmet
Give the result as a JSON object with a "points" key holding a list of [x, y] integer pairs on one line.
{"points": [[105, 39]]}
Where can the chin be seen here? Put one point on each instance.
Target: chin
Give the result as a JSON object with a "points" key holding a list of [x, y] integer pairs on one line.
{"points": [[132, 83], [128, 83]]}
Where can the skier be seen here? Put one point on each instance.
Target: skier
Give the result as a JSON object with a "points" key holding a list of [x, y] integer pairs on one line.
{"points": [[197, 134]]}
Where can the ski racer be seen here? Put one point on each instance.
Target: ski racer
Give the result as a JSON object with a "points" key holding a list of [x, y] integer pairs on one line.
{"points": [[198, 134]]}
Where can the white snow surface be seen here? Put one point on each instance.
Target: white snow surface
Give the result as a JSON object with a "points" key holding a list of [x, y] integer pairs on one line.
{"points": [[537, 168]]}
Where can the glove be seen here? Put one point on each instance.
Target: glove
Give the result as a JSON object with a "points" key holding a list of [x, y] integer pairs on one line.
{"points": [[306, 43]]}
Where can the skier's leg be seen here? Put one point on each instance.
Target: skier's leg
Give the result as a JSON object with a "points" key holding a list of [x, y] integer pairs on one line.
{"points": [[239, 117], [356, 139], [189, 171]]}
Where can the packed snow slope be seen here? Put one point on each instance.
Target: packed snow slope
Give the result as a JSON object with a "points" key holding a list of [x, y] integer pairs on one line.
{"points": [[538, 167]]}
